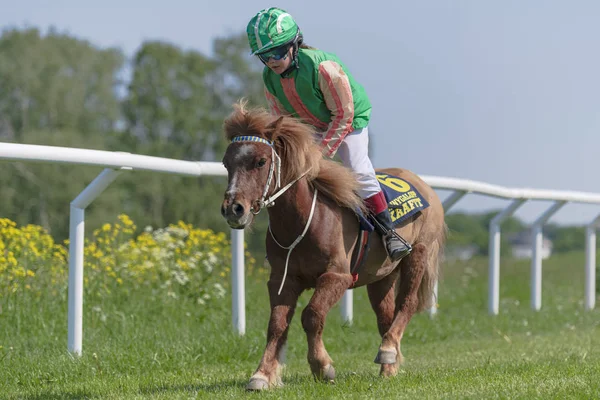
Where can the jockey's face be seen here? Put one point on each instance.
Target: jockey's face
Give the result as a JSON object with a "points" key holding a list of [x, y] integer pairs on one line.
{"points": [[279, 66]]}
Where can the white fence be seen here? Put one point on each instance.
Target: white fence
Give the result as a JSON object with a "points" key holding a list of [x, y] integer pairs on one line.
{"points": [[116, 162]]}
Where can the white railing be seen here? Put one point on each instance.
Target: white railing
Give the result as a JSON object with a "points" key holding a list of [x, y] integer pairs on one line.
{"points": [[461, 187], [116, 162]]}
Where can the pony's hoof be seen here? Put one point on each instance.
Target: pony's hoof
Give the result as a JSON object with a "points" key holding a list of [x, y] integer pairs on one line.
{"points": [[256, 384], [328, 374], [325, 374], [386, 357]]}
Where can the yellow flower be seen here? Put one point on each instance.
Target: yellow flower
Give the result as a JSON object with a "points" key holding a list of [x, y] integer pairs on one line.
{"points": [[181, 261]]}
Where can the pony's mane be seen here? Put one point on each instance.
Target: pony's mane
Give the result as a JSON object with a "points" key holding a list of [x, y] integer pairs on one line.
{"points": [[295, 143]]}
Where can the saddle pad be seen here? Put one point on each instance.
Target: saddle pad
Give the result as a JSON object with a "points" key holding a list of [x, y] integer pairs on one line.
{"points": [[403, 199]]}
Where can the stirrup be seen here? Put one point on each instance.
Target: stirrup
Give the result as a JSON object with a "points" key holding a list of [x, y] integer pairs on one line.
{"points": [[400, 254]]}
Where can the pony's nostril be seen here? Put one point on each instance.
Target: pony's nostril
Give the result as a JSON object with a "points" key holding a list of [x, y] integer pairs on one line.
{"points": [[237, 209], [223, 210]]}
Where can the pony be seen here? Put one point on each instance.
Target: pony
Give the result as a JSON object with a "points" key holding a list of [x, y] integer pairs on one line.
{"points": [[275, 163]]}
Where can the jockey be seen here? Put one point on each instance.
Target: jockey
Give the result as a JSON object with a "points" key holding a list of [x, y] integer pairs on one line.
{"points": [[316, 87]]}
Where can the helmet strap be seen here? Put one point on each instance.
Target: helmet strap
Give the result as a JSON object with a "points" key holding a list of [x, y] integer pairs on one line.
{"points": [[294, 65]]}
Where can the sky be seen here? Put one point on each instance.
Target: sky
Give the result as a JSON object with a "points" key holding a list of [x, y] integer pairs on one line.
{"points": [[505, 92]]}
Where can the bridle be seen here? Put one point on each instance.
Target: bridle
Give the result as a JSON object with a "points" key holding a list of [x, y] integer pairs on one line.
{"points": [[270, 202]]}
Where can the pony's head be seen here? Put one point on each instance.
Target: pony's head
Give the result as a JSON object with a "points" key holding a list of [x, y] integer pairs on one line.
{"points": [[250, 164], [267, 152]]}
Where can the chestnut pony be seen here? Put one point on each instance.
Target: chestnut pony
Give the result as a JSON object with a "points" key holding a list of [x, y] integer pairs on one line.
{"points": [[275, 163]]}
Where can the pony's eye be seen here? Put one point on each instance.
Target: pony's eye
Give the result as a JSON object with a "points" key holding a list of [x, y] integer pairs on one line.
{"points": [[261, 162]]}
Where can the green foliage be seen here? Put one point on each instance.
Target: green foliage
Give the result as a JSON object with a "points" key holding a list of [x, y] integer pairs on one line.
{"points": [[169, 106], [56, 82], [472, 230], [466, 230], [566, 238], [236, 75]]}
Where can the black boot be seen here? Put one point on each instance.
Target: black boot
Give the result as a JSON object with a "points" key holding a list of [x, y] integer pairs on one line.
{"points": [[396, 248]]}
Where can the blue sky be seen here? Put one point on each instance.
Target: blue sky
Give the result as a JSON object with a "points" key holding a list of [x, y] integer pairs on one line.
{"points": [[506, 92]]}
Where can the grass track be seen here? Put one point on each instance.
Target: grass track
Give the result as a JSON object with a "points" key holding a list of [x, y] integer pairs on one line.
{"points": [[138, 347]]}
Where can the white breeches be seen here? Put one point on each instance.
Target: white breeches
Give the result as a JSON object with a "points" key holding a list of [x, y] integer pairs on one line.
{"points": [[354, 153]]}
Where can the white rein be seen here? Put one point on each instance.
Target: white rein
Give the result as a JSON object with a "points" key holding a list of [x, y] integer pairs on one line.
{"points": [[298, 239]]}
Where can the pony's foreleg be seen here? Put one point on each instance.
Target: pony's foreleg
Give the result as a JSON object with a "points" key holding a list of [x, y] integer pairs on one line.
{"points": [[412, 269], [329, 289], [282, 310], [382, 296]]}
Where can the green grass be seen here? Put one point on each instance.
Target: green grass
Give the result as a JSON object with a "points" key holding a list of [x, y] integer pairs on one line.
{"points": [[139, 347]]}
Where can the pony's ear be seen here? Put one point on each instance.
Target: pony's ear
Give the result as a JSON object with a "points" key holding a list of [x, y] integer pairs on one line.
{"points": [[273, 127]]}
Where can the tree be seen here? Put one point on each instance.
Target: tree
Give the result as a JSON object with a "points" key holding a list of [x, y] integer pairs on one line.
{"points": [[175, 108], [56, 82], [238, 75], [56, 90], [170, 107], [63, 91], [472, 229], [565, 238]]}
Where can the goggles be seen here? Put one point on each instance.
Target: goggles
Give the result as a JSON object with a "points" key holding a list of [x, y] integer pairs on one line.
{"points": [[278, 53]]}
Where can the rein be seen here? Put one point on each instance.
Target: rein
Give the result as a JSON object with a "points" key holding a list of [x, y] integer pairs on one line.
{"points": [[298, 239], [264, 202]]}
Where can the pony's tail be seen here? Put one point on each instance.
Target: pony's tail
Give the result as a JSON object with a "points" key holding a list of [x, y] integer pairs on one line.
{"points": [[432, 271]]}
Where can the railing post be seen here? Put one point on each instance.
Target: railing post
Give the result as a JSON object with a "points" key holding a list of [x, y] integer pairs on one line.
{"points": [[434, 300], [75, 299], [76, 245], [590, 264], [494, 255], [346, 307], [238, 303], [536, 254]]}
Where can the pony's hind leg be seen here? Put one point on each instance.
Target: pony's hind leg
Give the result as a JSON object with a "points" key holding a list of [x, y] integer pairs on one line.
{"points": [[412, 269], [383, 301], [282, 311], [328, 291]]}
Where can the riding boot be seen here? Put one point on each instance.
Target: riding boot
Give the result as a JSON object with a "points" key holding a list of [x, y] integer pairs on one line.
{"points": [[396, 247]]}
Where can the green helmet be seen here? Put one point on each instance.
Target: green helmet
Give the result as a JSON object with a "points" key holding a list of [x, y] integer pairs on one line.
{"points": [[270, 28]]}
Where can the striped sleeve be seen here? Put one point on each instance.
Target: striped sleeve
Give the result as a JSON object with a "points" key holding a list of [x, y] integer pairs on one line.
{"points": [[335, 86], [275, 105]]}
